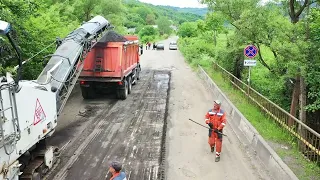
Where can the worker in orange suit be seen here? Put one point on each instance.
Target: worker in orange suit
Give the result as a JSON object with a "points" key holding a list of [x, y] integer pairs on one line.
{"points": [[216, 119]]}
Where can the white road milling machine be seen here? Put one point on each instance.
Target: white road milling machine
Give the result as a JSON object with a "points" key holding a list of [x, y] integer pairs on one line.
{"points": [[29, 109]]}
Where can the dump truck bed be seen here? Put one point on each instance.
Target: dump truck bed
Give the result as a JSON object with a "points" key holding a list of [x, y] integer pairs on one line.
{"points": [[111, 61], [112, 64]]}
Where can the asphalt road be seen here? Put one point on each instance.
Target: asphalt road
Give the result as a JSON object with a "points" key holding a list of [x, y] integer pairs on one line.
{"points": [[148, 130]]}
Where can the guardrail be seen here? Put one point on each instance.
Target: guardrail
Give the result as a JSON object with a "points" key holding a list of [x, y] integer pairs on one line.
{"points": [[308, 139]]}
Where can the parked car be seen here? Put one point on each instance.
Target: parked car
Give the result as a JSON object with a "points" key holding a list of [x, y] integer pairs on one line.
{"points": [[160, 46], [173, 45]]}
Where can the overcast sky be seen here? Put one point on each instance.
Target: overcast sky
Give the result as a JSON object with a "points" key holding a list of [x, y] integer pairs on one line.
{"points": [[178, 3]]}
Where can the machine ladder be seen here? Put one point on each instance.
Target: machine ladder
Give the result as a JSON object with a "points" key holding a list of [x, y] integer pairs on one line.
{"points": [[8, 140]]}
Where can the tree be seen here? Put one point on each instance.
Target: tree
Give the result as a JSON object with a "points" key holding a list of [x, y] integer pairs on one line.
{"points": [[84, 8], [293, 5], [187, 29], [114, 12], [150, 19], [291, 44], [37, 23], [313, 75], [231, 9], [108, 7], [214, 22], [142, 11], [164, 25], [148, 33], [294, 15], [133, 20]]}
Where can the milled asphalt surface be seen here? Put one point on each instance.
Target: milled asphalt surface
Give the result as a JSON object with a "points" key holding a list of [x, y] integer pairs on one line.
{"points": [[92, 133]]}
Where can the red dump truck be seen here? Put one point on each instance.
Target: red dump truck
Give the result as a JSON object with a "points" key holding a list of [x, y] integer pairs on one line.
{"points": [[113, 64]]}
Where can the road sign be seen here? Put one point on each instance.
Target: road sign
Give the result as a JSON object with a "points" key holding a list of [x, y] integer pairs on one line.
{"points": [[250, 51], [250, 63]]}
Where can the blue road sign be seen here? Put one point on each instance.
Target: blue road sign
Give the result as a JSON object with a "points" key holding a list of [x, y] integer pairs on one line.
{"points": [[250, 51]]}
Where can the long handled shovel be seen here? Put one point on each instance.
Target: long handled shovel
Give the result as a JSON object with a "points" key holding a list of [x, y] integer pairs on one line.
{"points": [[209, 129]]}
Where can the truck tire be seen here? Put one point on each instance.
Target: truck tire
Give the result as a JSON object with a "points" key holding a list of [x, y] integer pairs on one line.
{"points": [[122, 92], [87, 92], [129, 84], [138, 73], [136, 77]]}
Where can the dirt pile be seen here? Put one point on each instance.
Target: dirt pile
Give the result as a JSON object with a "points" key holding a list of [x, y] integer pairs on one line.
{"points": [[112, 36]]}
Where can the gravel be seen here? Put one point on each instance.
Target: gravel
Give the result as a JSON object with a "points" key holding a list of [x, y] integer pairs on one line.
{"points": [[112, 36]]}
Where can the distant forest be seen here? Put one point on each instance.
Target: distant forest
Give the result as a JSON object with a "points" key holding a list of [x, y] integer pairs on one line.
{"points": [[197, 11]]}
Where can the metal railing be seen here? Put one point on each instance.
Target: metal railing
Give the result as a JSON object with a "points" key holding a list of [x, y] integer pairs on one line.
{"points": [[308, 139]]}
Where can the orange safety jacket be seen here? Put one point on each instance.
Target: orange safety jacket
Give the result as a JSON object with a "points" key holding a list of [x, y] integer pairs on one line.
{"points": [[218, 119], [114, 176], [119, 176]]}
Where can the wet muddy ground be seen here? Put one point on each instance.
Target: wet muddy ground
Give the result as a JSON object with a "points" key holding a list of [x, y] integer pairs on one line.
{"points": [[129, 131]]}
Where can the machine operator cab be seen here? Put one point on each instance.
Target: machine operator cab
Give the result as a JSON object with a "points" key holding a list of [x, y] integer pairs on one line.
{"points": [[4, 27]]}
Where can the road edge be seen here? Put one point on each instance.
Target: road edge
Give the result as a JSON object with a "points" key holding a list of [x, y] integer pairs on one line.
{"points": [[248, 136], [163, 154]]}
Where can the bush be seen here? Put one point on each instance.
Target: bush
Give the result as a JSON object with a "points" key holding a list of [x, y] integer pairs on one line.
{"points": [[148, 31], [165, 36], [196, 51], [188, 29], [146, 39]]}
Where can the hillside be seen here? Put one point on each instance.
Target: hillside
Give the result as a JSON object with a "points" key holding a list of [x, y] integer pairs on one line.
{"points": [[178, 17], [198, 11], [37, 23]]}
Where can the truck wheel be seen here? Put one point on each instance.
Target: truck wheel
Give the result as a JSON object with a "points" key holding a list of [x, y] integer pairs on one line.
{"points": [[138, 73], [129, 84], [136, 77], [84, 93], [122, 93], [87, 93]]}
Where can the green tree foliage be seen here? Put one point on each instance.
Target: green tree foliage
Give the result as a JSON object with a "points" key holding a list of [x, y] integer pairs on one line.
{"points": [[164, 25], [198, 11], [188, 29], [150, 19], [85, 8], [313, 71], [280, 31], [148, 33], [37, 23], [133, 21], [214, 23], [143, 11], [35, 26]]}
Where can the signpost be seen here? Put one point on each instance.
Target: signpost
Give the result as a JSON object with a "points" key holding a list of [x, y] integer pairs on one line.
{"points": [[250, 62], [250, 51]]}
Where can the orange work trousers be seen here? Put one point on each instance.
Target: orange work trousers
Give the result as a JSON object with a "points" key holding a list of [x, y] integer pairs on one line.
{"points": [[214, 140]]}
